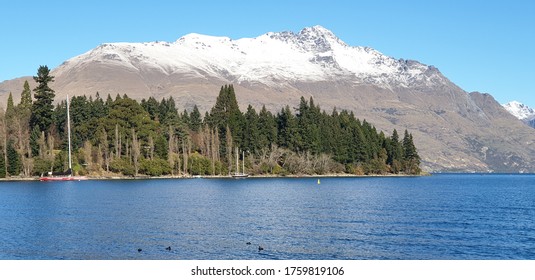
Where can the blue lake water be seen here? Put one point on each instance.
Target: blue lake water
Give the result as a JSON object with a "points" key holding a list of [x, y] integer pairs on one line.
{"points": [[436, 217]]}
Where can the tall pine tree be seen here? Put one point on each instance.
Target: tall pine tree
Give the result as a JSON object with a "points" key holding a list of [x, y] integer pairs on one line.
{"points": [[410, 155], [3, 166], [42, 108], [251, 133], [13, 160], [25, 105]]}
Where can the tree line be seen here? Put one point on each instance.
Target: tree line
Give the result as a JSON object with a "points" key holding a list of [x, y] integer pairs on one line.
{"points": [[123, 136]]}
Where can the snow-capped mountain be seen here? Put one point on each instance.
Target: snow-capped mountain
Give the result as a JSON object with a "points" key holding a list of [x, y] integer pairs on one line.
{"points": [[453, 130], [313, 54], [519, 110]]}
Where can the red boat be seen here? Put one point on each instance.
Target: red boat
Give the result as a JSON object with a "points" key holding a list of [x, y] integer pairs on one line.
{"points": [[62, 178]]}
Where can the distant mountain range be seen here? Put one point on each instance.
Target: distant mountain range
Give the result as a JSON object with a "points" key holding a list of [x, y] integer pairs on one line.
{"points": [[454, 130], [521, 112]]}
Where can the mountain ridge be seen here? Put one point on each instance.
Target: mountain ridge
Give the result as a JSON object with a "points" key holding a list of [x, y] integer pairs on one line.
{"points": [[521, 111], [277, 68]]}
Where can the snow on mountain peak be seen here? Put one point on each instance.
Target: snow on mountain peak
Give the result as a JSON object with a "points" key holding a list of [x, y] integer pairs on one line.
{"points": [[313, 54], [519, 110]]}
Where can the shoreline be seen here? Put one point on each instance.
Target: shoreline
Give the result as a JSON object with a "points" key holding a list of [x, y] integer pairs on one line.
{"points": [[111, 178], [264, 176]]}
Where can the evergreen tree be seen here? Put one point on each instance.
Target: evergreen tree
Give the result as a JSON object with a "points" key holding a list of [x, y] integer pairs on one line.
{"points": [[394, 152], [10, 110], [195, 120], [10, 116], [99, 107], [161, 147], [226, 113], [24, 109], [168, 113], [410, 155], [152, 107], [3, 166], [267, 128], [34, 141], [185, 118], [42, 108], [109, 101], [25, 105], [250, 132], [287, 130], [13, 160]]}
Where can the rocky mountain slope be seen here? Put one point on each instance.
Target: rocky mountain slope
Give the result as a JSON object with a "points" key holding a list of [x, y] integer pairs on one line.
{"points": [[454, 130]]}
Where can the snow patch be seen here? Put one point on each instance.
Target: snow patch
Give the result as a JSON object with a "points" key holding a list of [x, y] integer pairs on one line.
{"points": [[519, 110]]}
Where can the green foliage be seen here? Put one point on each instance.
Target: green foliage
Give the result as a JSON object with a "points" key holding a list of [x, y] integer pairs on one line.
{"points": [[25, 105], [10, 110], [287, 131], [151, 106], [307, 141], [3, 173], [161, 147], [194, 119], [14, 165], [410, 155], [155, 167], [41, 166], [34, 141], [199, 165], [226, 113], [123, 166], [42, 108], [267, 128], [251, 131], [61, 162]]}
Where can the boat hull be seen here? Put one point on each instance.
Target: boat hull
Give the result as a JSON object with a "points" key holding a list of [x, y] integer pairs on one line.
{"points": [[62, 178], [240, 176]]}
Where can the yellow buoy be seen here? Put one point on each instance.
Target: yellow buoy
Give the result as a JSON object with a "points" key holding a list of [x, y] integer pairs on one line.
{"points": [[319, 181]]}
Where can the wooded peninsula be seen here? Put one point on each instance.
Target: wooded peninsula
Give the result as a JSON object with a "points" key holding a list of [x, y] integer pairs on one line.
{"points": [[123, 137]]}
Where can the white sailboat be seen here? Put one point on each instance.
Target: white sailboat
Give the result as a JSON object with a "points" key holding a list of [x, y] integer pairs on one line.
{"points": [[237, 174], [65, 176]]}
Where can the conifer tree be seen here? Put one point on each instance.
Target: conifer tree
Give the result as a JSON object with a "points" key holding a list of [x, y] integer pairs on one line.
{"points": [[3, 166], [25, 105], [11, 120], [195, 120], [251, 133], [10, 109], [410, 155], [152, 107], [35, 135], [267, 128], [13, 160], [287, 130], [226, 114], [42, 108]]}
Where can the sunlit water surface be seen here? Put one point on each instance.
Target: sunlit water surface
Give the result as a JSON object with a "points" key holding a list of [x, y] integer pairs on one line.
{"points": [[435, 217]]}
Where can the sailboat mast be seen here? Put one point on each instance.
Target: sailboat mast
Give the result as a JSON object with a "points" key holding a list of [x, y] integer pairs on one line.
{"points": [[237, 161], [243, 162], [69, 133]]}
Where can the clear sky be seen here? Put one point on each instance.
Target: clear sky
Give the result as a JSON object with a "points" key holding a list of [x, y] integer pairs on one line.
{"points": [[485, 46]]}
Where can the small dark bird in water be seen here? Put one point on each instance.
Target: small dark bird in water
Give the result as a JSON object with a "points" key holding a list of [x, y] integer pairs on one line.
{"points": [[168, 248], [139, 250], [260, 248], [248, 243]]}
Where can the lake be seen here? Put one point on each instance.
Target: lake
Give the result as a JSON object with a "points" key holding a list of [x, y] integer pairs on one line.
{"points": [[435, 217]]}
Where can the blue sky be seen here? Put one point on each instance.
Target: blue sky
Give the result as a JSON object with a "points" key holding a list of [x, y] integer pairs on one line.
{"points": [[485, 46]]}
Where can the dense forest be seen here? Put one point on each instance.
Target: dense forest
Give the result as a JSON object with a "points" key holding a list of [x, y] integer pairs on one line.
{"points": [[114, 136]]}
